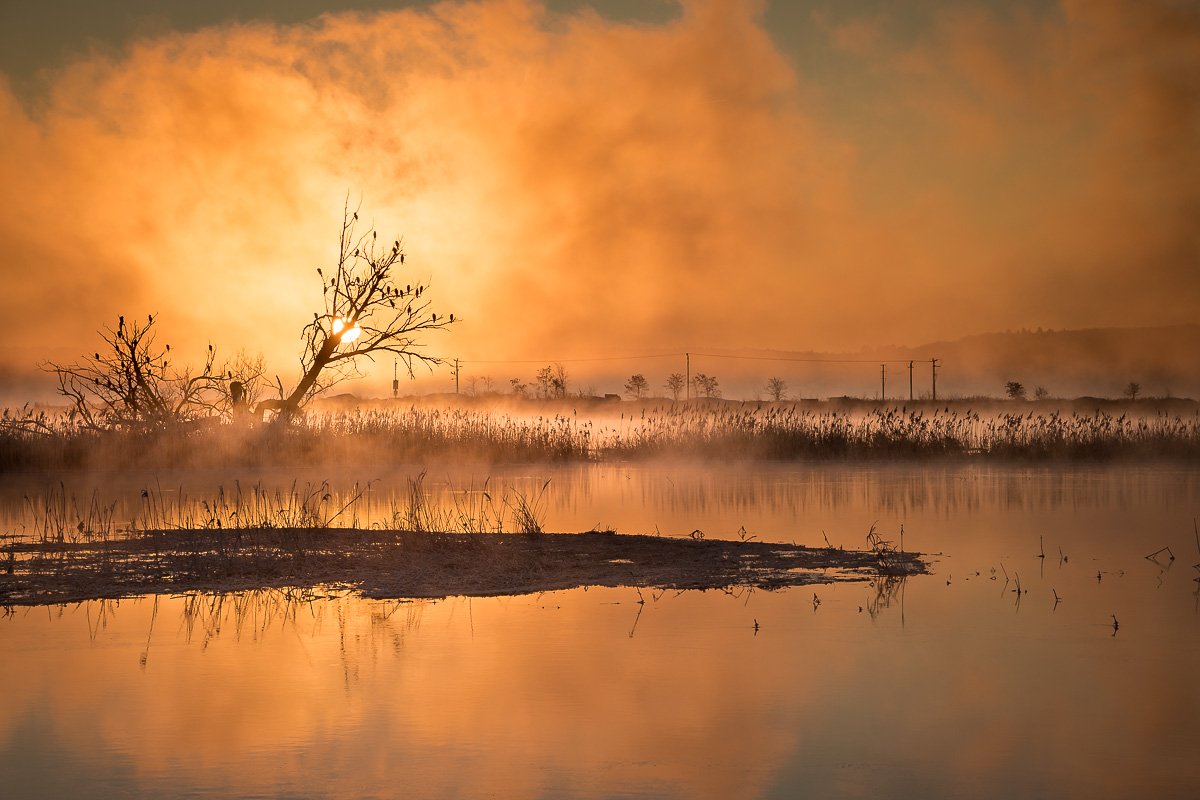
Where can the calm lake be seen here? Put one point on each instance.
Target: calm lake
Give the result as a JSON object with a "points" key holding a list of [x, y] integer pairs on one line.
{"points": [[946, 685]]}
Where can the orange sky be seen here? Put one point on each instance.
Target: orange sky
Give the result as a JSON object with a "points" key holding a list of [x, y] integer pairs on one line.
{"points": [[577, 186]]}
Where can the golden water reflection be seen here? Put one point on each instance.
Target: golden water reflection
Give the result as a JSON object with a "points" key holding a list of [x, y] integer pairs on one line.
{"points": [[947, 685]]}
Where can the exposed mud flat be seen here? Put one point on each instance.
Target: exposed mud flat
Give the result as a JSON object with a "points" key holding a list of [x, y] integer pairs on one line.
{"points": [[408, 564]]}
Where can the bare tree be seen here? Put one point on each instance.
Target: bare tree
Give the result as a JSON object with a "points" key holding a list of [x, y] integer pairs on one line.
{"points": [[1132, 390], [675, 385], [636, 386], [1041, 393], [518, 388], [129, 384], [367, 313], [777, 388], [560, 381]]}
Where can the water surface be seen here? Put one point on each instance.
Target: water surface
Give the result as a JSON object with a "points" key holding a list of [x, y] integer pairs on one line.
{"points": [[946, 685]]}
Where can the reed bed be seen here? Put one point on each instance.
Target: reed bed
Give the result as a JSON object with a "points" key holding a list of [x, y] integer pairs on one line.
{"points": [[787, 433], [698, 431]]}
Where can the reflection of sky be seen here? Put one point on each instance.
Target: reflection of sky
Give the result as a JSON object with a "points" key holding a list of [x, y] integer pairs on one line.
{"points": [[956, 692]]}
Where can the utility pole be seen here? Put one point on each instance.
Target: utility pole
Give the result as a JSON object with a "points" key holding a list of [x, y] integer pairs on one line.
{"points": [[457, 369], [910, 369], [396, 378], [933, 362], [688, 386], [883, 381]]}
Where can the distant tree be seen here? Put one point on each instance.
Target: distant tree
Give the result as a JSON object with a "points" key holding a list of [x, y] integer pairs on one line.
{"points": [[489, 386], [471, 383], [1132, 390], [518, 388], [636, 386], [552, 381], [545, 381], [1041, 393], [560, 380], [706, 386], [776, 388], [1014, 390], [675, 385]]}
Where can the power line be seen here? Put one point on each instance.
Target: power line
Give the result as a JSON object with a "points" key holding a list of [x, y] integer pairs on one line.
{"points": [[684, 355], [564, 360], [809, 360]]}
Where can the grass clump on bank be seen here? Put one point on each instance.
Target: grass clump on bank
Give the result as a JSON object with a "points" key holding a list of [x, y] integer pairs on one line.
{"points": [[307, 539]]}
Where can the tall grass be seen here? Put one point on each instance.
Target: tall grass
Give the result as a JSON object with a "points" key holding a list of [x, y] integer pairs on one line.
{"points": [[700, 431], [787, 433]]}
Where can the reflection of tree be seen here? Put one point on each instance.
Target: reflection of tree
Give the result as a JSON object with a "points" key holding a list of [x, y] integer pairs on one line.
{"points": [[888, 590]]}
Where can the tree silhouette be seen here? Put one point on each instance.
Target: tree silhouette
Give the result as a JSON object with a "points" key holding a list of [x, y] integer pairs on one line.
{"points": [[776, 388], [636, 386], [706, 386], [130, 383], [675, 385], [1014, 390], [552, 381], [1132, 390], [367, 313]]}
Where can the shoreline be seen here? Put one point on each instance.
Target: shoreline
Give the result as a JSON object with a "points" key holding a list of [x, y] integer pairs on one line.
{"points": [[383, 564]]}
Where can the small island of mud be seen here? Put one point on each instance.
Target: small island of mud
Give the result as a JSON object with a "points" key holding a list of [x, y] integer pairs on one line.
{"points": [[412, 564]]}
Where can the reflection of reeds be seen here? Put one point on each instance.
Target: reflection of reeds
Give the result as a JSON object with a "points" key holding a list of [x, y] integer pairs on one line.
{"points": [[887, 590]]}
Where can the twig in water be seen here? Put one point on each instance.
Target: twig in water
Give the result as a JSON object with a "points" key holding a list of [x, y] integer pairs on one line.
{"points": [[637, 618], [1152, 556], [1197, 530], [1041, 548]]}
